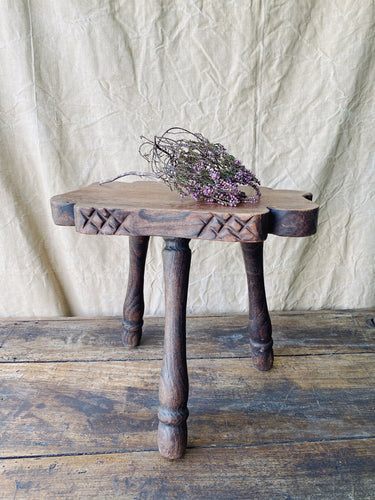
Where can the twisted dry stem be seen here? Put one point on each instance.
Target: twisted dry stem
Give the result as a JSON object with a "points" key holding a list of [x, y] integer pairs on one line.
{"points": [[150, 175]]}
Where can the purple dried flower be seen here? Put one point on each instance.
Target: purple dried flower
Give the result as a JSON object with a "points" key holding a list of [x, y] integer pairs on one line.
{"points": [[192, 165]]}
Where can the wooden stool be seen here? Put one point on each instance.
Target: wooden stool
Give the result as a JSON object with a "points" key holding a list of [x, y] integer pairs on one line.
{"points": [[143, 209]]}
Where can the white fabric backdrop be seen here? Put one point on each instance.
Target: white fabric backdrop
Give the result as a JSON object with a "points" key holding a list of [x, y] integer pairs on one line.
{"points": [[287, 86]]}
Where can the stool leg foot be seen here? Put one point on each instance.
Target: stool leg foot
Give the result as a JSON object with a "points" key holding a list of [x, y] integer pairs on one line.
{"points": [[134, 304], [172, 440], [174, 384], [260, 328]]}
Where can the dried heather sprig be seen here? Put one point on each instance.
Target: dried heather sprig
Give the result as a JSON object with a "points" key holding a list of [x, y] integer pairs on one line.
{"points": [[193, 166]]}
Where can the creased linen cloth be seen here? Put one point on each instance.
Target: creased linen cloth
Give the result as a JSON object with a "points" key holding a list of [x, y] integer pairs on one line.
{"points": [[286, 86]]}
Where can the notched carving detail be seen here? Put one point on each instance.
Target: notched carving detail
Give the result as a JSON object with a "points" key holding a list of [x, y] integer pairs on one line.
{"points": [[102, 221], [229, 227]]}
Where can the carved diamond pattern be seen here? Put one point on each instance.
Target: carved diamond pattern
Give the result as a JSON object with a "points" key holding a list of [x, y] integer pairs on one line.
{"points": [[103, 221], [227, 227]]}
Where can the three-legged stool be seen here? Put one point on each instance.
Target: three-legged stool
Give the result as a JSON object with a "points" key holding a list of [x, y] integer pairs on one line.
{"points": [[143, 209]]}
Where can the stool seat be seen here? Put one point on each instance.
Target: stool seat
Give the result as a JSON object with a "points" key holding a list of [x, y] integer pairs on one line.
{"points": [[152, 209], [143, 209]]}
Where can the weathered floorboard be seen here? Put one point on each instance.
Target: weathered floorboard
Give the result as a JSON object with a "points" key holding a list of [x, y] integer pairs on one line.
{"points": [[59, 408], [78, 411], [210, 336], [320, 470]]}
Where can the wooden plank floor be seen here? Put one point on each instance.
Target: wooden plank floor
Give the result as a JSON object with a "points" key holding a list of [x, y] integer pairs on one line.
{"points": [[78, 410]]}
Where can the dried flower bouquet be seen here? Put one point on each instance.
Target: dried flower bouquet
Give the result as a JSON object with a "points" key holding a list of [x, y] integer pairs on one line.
{"points": [[190, 164]]}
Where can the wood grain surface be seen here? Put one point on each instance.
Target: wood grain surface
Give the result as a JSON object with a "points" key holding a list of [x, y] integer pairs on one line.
{"points": [[112, 406], [174, 383], [311, 470], [78, 411], [149, 208], [215, 336], [140, 210], [260, 328], [132, 320]]}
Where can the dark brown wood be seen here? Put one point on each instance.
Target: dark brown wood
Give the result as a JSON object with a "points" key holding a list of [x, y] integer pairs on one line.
{"points": [[134, 302], [148, 208], [140, 210], [174, 384], [260, 328]]}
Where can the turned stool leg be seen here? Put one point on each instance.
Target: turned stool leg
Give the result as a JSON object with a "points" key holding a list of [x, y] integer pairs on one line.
{"points": [[260, 328], [134, 304], [174, 384]]}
